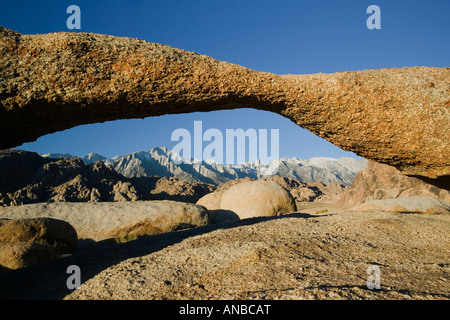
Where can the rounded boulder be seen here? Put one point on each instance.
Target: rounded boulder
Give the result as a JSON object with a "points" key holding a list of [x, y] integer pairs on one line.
{"points": [[42, 230], [257, 199], [17, 255]]}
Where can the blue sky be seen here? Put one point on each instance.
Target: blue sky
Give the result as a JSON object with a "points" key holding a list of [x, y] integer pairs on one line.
{"points": [[296, 37]]}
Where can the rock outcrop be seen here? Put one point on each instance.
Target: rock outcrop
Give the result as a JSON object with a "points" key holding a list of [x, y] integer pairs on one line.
{"points": [[162, 188], [379, 181], [56, 81], [211, 201], [26, 178], [415, 204], [26, 241], [45, 230], [312, 191], [105, 220], [57, 180], [18, 169]]}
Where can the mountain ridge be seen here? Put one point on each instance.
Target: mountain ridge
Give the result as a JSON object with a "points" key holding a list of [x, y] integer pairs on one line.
{"points": [[158, 161]]}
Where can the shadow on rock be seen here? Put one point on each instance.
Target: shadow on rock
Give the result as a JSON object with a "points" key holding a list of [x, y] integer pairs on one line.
{"points": [[47, 281]]}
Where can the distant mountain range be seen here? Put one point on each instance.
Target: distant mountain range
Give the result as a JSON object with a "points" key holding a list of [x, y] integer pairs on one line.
{"points": [[158, 162]]}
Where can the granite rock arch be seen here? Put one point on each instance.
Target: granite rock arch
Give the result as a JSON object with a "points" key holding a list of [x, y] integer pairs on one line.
{"points": [[56, 81]]}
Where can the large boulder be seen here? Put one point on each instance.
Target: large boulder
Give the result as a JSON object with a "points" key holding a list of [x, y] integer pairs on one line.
{"points": [[17, 255], [298, 191], [49, 231], [104, 220], [27, 241], [257, 198], [211, 201]]}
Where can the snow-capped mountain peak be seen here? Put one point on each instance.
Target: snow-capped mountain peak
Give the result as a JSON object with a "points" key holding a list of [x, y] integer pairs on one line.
{"points": [[160, 161]]}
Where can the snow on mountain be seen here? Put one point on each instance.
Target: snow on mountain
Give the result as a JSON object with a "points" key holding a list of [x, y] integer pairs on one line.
{"points": [[57, 155], [88, 159], [162, 162], [93, 157]]}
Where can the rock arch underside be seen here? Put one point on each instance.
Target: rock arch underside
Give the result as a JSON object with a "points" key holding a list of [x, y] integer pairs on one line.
{"points": [[56, 81]]}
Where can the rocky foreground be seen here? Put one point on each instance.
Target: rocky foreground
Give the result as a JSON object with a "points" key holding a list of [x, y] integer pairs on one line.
{"points": [[295, 256], [285, 249]]}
